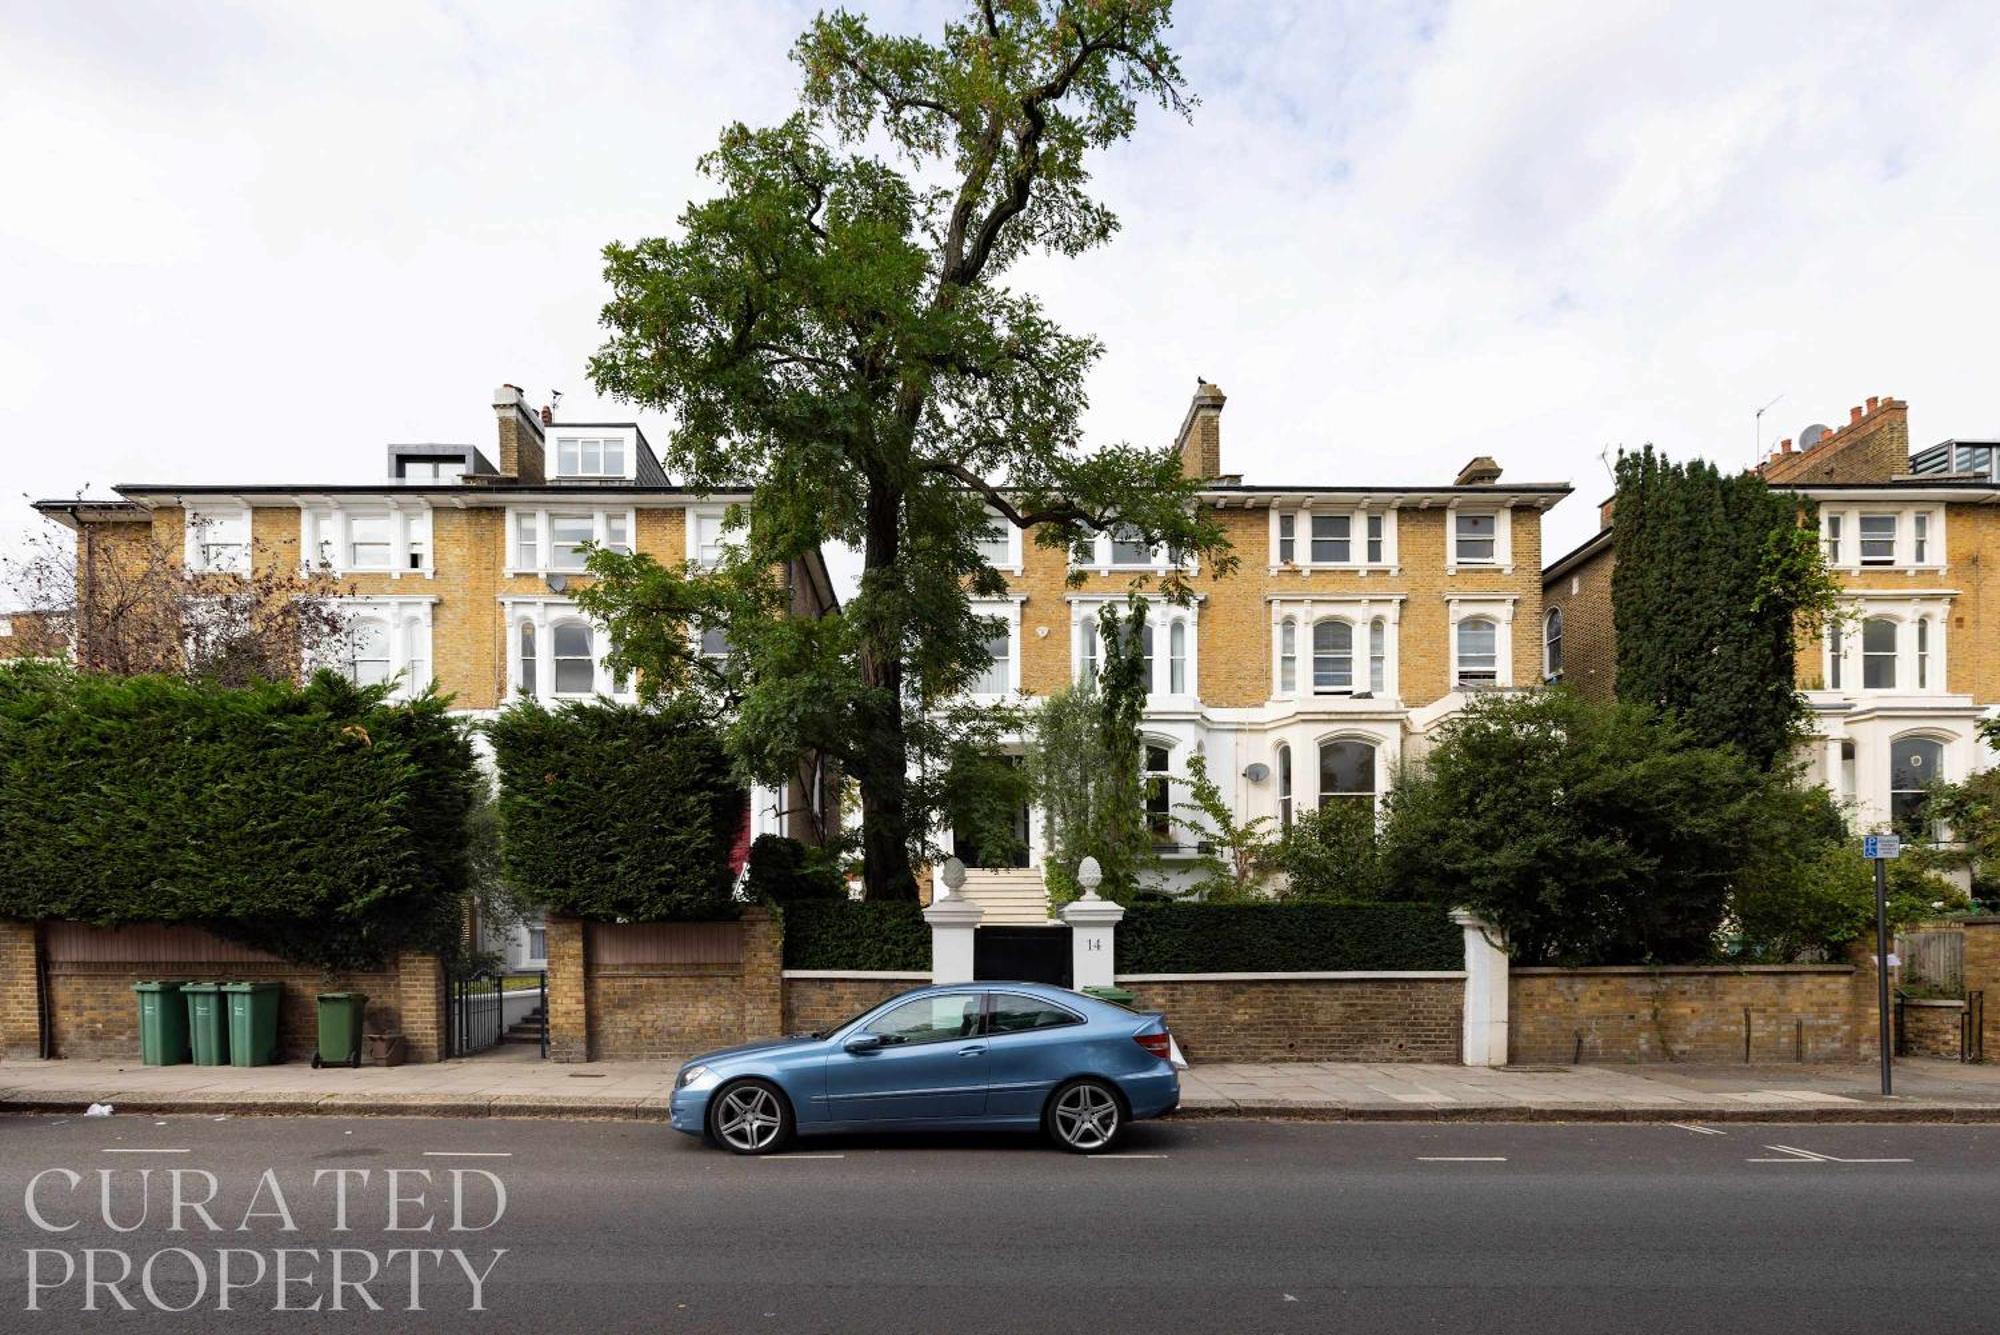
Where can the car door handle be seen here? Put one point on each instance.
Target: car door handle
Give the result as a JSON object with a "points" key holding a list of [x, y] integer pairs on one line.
{"points": [[974, 1050]]}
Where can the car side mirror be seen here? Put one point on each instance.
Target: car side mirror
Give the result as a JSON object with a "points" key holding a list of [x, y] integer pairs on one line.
{"points": [[863, 1043]]}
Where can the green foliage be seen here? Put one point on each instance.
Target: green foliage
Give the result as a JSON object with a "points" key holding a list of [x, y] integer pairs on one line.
{"points": [[1717, 578], [1236, 855], [1970, 811], [1831, 902], [830, 330], [785, 871], [845, 934], [615, 813], [321, 823], [1333, 853], [1085, 767], [1592, 834], [1281, 938]]}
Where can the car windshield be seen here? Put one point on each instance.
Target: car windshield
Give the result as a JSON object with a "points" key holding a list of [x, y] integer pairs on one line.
{"points": [[833, 1029]]}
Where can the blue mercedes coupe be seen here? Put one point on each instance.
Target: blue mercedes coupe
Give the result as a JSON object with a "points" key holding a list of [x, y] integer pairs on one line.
{"points": [[963, 1056]]}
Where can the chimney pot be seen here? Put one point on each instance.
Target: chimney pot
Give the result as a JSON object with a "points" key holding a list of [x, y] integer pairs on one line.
{"points": [[1872, 401], [1853, 415], [1785, 445], [548, 415]]}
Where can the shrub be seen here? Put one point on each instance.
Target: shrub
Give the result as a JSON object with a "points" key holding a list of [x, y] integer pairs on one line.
{"points": [[1333, 853], [784, 870], [1286, 938], [848, 934], [615, 813], [321, 823]]}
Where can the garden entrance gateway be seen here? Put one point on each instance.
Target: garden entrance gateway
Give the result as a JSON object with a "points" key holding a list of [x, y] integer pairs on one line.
{"points": [[1021, 954], [488, 1008]]}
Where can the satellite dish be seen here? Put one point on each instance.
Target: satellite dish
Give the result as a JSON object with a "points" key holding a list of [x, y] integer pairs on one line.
{"points": [[1811, 436], [1257, 773], [557, 583]]}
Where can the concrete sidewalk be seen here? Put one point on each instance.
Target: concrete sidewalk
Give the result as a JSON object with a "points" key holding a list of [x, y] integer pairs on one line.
{"points": [[513, 1082]]}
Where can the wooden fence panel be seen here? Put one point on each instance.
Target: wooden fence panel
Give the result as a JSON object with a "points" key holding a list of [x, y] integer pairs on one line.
{"points": [[664, 942], [1933, 957]]}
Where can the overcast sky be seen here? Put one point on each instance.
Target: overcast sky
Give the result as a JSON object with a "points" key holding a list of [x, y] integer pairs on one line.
{"points": [[255, 242]]}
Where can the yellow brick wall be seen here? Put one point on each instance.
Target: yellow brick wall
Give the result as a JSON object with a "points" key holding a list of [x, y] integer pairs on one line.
{"points": [[1234, 647]]}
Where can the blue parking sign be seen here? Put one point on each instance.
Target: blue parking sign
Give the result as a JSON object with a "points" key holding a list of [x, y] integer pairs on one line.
{"points": [[1881, 847]]}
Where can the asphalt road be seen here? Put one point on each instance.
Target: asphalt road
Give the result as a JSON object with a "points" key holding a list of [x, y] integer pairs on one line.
{"points": [[1198, 1226]]}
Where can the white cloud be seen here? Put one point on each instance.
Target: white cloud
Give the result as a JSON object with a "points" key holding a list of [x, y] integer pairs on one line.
{"points": [[256, 242]]}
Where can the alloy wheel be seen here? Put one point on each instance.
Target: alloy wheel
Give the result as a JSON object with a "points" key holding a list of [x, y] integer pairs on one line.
{"points": [[1086, 1117], [749, 1118]]}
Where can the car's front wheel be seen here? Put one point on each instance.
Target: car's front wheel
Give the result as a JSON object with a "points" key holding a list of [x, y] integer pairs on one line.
{"points": [[750, 1117], [1085, 1117]]}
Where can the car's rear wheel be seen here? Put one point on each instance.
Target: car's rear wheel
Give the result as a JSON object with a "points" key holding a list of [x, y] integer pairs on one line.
{"points": [[1085, 1117], [750, 1117]]}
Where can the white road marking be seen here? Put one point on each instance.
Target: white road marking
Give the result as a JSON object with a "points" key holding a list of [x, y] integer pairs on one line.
{"points": [[146, 1151], [1794, 1155], [1126, 1156], [468, 1154], [1461, 1158], [775, 1157], [1698, 1130]]}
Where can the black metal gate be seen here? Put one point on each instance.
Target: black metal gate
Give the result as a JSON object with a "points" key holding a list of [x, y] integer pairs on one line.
{"points": [[1022, 954], [487, 1008]]}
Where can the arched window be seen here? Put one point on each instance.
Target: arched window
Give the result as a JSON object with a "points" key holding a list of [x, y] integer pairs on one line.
{"points": [[1378, 655], [1333, 658], [1284, 787], [1478, 652], [1878, 654], [1159, 792], [1923, 653], [1177, 658], [1087, 651], [1288, 657], [1146, 652], [368, 651], [575, 665], [527, 658], [1552, 644], [1915, 763], [1346, 772]]}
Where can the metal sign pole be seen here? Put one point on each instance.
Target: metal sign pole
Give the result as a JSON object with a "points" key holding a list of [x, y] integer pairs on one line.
{"points": [[1882, 966]]}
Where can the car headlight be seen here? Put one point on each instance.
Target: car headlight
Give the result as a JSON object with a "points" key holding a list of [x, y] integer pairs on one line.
{"points": [[694, 1075]]}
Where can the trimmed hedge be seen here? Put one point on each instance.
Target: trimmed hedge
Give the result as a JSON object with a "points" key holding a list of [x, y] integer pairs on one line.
{"points": [[321, 823], [613, 813], [1286, 938], [849, 934]]}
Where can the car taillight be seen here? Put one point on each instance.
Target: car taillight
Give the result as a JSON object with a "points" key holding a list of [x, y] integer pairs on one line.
{"points": [[1160, 1044]]}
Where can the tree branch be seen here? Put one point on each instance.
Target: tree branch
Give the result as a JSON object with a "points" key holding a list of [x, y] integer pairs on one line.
{"points": [[1069, 512]]}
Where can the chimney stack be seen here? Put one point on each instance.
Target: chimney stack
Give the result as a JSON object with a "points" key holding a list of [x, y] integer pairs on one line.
{"points": [[1481, 472], [520, 436], [1200, 439]]}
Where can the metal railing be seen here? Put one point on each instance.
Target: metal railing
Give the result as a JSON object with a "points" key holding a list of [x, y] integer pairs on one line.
{"points": [[478, 1010]]}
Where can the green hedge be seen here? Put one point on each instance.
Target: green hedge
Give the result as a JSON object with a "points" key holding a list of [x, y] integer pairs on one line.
{"points": [[846, 934], [320, 823], [1286, 938], [614, 813]]}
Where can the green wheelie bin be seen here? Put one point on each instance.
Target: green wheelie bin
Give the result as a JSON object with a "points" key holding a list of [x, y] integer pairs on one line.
{"points": [[163, 1023], [253, 1022], [208, 1023], [340, 1029]]}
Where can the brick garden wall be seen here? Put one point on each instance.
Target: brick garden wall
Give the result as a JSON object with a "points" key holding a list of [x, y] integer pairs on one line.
{"points": [[651, 991], [96, 1015], [1277, 1019], [1930, 1028], [1693, 1014], [819, 1002]]}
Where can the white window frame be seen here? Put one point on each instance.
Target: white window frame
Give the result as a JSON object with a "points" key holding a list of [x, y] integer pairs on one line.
{"points": [[1360, 518], [1085, 610], [559, 436], [1374, 744], [1100, 559], [1552, 640], [1007, 610], [544, 562], [1360, 613], [1011, 561], [326, 535], [1500, 611], [1918, 672], [410, 621], [1503, 538], [1840, 535], [545, 613], [202, 519], [698, 518]]}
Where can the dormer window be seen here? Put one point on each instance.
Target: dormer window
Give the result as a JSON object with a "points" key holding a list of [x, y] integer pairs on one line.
{"points": [[603, 456], [432, 470]]}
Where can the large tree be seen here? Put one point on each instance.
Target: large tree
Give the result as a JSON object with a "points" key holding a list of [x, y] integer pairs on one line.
{"points": [[832, 331], [1718, 580]]}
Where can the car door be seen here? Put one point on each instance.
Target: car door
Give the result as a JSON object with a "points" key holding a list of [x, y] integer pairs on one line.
{"points": [[1032, 1043], [930, 1065]]}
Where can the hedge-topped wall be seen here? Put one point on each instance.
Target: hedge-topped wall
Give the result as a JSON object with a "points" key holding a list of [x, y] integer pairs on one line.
{"points": [[845, 934], [1286, 938], [320, 823]]}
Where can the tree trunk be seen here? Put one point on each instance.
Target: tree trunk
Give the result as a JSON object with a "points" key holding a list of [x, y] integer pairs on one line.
{"points": [[885, 823]]}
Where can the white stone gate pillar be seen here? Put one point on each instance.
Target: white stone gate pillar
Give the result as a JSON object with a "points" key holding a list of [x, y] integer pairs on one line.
{"points": [[1485, 1041], [1092, 925], [954, 920]]}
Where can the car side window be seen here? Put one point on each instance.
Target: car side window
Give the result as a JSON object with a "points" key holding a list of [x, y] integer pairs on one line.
{"points": [[929, 1019], [1013, 1014]]}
